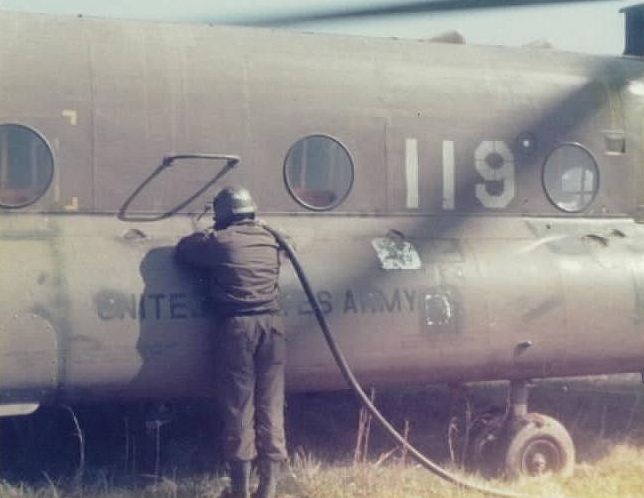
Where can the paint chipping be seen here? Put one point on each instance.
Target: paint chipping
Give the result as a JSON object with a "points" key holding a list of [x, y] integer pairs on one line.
{"points": [[396, 254], [438, 309]]}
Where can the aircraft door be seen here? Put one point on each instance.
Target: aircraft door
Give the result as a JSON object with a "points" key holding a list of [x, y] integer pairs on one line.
{"points": [[33, 309], [28, 367]]}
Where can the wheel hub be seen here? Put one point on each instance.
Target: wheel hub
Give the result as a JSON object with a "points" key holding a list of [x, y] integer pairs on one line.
{"points": [[542, 456]]}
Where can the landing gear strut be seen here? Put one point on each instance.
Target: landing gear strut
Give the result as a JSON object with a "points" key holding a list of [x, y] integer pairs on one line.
{"points": [[536, 444], [517, 443]]}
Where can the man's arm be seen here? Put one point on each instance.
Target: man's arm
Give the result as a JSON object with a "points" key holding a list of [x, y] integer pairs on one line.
{"points": [[196, 250]]}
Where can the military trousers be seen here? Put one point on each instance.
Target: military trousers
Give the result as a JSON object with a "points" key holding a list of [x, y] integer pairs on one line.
{"points": [[251, 359]]}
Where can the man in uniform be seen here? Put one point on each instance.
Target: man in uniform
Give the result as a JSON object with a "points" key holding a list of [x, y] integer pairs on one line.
{"points": [[242, 262]]}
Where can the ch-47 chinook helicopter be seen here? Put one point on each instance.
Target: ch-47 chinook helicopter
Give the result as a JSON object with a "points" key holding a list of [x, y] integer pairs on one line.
{"points": [[465, 213]]}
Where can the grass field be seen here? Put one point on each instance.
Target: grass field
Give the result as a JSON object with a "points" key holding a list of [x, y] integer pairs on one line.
{"points": [[619, 474], [604, 415]]}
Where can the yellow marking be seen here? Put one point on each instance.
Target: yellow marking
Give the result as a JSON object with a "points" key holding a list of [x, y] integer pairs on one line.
{"points": [[73, 206], [72, 115]]}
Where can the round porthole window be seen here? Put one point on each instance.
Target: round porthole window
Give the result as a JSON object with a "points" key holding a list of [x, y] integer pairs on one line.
{"points": [[318, 172], [26, 166], [571, 177]]}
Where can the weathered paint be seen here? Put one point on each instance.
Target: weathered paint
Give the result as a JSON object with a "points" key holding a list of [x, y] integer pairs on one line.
{"points": [[446, 261]]}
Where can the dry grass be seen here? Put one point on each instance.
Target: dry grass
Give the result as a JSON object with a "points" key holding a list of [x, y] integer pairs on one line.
{"points": [[620, 474], [604, 418]]}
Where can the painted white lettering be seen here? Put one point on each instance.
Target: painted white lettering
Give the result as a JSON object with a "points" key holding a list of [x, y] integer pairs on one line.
{"points": [[448, 175], [494, 161], [411, 173]]}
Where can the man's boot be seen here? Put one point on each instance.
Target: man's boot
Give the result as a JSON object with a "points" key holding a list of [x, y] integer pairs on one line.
{"points": [[240, 479], [267, 470]]}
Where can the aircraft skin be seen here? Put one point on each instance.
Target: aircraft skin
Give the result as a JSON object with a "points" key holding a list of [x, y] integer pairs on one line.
{"points": [[446, 258]]}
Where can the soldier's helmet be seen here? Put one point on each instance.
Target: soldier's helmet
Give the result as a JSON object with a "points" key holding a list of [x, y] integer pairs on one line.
{"points": [[232, 204]]}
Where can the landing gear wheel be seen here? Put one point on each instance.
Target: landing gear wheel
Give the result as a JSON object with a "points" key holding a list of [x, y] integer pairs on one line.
{"points": [[539, 446]]}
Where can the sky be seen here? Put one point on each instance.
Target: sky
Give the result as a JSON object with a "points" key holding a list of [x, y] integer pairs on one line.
{"points": [[591, 27]]}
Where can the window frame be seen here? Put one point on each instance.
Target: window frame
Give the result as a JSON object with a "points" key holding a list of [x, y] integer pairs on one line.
{"points": [[548, 191], [293, 190], [36, 194]]}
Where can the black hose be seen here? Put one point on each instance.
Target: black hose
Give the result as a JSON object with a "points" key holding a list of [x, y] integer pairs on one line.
{"points": [[355, 385]]}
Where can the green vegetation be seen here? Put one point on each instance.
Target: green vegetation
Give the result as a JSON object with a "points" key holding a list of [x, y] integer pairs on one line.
{"points": [[619, 474]]}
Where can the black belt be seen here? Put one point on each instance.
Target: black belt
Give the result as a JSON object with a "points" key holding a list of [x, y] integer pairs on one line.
{"points": [[250, 313]]}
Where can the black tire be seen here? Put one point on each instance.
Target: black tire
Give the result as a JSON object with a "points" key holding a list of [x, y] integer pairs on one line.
{"points": [[539, 446]]}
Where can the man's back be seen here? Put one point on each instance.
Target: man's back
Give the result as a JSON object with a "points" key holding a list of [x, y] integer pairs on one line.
{"points": [[243, 265]]}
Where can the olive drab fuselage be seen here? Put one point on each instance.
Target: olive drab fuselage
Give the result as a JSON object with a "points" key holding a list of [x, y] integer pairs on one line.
{"points": [[464, 213]]}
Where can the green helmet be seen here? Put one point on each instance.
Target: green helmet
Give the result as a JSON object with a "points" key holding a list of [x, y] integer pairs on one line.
{"points": [[231, 204]]}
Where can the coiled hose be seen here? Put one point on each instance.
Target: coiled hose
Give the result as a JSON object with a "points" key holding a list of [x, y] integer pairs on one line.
{"points": [[357, 389]]}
